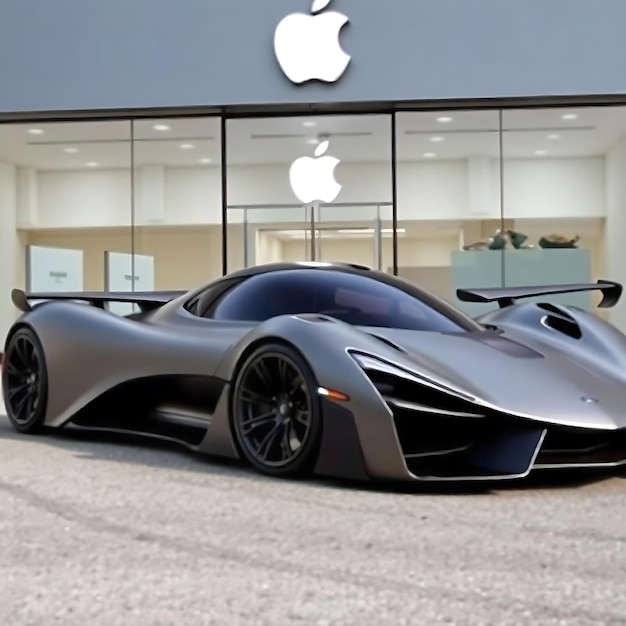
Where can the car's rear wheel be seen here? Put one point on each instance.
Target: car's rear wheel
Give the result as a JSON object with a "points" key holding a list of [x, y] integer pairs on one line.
{"points": [[25, 381], [276, 411]]}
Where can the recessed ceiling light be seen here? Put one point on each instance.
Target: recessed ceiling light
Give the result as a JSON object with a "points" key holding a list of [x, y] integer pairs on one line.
{"points": [[540, 152], [36, 131], [205, 161], [308, 124], [553, 136], [429, 155], [92, 164], [70, 150], [569, 116], [436, 139], [187, 146], [161, 127], [444, 119]]}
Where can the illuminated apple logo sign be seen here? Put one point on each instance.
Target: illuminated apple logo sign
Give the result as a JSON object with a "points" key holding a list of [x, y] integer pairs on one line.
{"points": [[313, 179], [307, 46]]}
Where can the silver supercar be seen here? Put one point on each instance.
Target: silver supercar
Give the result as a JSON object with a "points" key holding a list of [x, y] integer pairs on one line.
{"points": [[331, 370]]}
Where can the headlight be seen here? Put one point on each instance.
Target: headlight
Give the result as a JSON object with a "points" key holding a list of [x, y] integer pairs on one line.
{"points": [[372, 363]]}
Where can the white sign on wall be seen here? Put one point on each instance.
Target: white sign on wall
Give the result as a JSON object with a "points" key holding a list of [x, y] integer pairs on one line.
{"points": [[121, 274], [53, 269], [307, 46]]}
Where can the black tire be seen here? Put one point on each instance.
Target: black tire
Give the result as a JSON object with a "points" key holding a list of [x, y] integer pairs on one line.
{"points": [[275, 389], [25, 381]]}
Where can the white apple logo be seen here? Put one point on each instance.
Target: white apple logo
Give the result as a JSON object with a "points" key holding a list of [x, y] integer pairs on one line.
{"points": [[313, 180], [307, 46]]}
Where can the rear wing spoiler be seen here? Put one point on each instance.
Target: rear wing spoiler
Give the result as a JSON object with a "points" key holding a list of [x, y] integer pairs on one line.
{"points": [[506, 296], [146, 300]]}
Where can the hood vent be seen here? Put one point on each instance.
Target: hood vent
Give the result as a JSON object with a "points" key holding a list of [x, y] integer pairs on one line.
{"points": [[390, 343], [559, 320], [505, 345], [508, 346]]}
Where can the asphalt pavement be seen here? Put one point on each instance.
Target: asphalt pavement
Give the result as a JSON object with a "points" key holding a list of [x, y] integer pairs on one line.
{"points": [[114, 531]]}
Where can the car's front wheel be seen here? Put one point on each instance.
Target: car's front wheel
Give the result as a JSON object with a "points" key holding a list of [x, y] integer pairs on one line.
{"points": [[276, 411], [25, 381]]}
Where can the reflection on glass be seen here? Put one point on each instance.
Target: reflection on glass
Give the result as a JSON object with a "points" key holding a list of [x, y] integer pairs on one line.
{"points": [[309, 188]]}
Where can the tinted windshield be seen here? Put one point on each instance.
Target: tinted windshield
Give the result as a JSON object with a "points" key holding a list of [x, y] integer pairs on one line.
{"points": [[353, 298]]}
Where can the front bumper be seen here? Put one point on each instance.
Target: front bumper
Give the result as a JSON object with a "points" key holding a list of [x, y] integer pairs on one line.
{"points": [[445, 436]]}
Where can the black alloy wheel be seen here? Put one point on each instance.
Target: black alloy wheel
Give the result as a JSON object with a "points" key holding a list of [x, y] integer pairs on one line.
{"points": [[25, 381], [276, 412]]}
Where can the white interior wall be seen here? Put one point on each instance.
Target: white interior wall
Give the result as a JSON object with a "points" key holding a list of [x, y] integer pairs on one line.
{"points": [[554, 188], [426, 191], [412, 252], [184, 257], [360, 251]]}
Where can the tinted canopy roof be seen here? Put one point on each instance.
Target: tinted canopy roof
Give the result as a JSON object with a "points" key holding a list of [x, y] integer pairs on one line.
{"points": [[360, 298]]}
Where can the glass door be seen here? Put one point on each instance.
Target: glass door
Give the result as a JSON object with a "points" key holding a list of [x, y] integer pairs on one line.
{"points": [[311, 233], [355, 233], [262, 234]]}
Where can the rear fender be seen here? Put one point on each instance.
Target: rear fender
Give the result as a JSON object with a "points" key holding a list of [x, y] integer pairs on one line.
{"points": [[90, 351], [580, 334]]}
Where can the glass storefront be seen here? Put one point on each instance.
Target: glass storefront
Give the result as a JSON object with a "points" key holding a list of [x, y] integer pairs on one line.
{"points": [[482, 198], [309, 188]]}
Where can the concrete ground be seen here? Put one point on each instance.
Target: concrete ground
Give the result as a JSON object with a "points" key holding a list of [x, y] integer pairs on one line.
{"points": [[114, 531]]}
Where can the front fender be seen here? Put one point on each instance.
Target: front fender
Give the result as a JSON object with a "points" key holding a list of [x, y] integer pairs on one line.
{"points": [[323, 342]]}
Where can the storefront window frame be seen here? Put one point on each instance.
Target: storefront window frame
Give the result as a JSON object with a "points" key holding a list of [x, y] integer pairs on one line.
{"points": [[390, 109]]}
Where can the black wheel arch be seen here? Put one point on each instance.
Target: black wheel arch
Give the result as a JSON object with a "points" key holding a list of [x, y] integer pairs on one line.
{"points": [[39, 424], [244, 355], [339, 454]]}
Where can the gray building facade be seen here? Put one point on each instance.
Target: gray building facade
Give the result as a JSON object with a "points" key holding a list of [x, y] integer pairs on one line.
{"points": [[77, 55]]}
